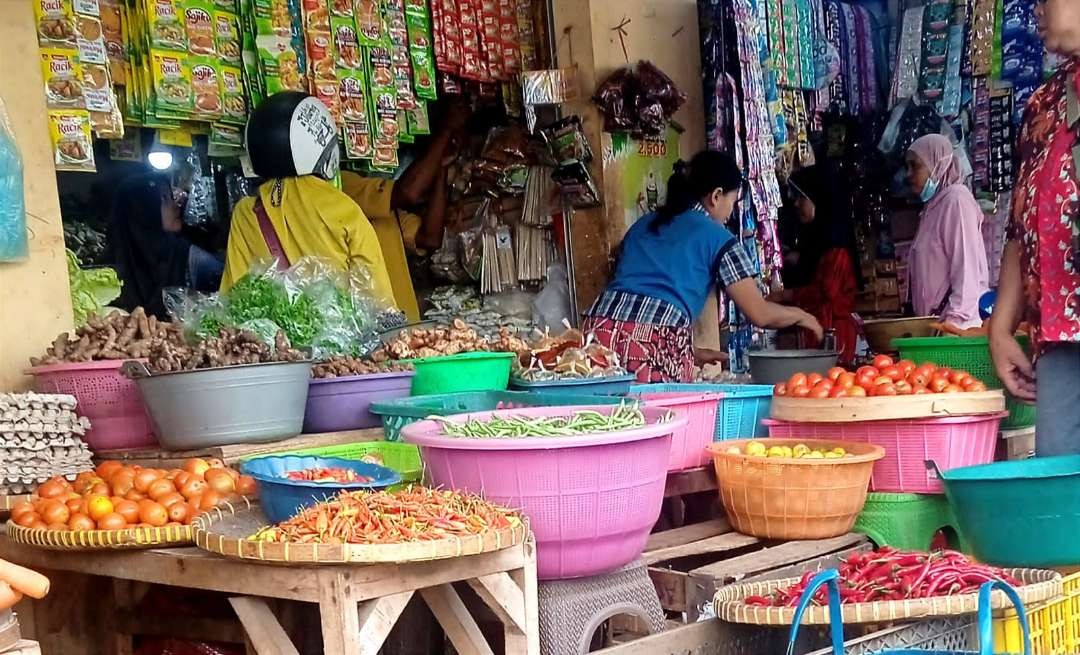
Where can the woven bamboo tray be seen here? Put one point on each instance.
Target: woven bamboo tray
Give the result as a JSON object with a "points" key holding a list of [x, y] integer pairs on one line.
{"points": [[225, 531], [1037, 586], [847, 410], [127, 539]]}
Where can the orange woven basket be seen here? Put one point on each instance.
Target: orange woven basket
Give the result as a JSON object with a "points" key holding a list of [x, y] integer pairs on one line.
{"points": [[789, 498]]}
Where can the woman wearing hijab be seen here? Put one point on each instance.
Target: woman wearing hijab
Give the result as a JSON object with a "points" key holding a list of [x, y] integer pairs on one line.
{"points": [[1040, 270], [293, 143], [669, 259], [948, 257], [147, 249], [825, 250]]}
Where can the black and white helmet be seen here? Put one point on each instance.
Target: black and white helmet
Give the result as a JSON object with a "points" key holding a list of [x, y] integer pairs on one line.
{"points": [[292, 134]]}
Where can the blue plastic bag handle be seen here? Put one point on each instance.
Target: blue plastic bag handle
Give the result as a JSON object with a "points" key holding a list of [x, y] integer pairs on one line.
{"points": [[830, 577], [986, 616], [836, 620]]}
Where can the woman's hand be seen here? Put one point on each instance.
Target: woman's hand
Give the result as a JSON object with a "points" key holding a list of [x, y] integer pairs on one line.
{"points": [[1013, 366], [808, 322]]}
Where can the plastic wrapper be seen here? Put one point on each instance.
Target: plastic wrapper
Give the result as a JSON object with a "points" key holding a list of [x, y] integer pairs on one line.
{"points": [[658, 98], [319, 309], [614, 97], [576, 185], [13, 238], [549, 87], [567, 141], [638, 99]]}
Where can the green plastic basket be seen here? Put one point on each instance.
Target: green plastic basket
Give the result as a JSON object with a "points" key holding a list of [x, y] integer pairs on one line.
{"points": [[402, 457], [1020, 514], [464, 372], [907, 521], [971, 354], [398, 413]]}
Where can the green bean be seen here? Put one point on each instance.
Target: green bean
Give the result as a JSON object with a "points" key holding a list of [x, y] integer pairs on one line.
{"points": [[585, 421]]}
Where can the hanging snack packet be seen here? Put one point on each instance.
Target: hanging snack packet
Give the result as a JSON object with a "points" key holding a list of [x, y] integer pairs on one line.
{"points": [[346, 47], [369, 24], [384, 102], [419, 122], [173, 93], [398, 36], [199, 25], [55, 23], [89, 39], [316, 15], [63, 78], [227, 37], [72, 145], [354, 101], [566, 139], [165, 21], [420, 50], [233, 98], [321, 57], [576, 185], [206, 85]]}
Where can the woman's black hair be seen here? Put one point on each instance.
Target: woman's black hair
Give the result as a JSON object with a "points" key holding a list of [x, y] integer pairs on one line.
{"points": [[708, 171]]}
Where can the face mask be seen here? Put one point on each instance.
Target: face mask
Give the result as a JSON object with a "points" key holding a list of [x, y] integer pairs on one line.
{"points": [[928, 190]]}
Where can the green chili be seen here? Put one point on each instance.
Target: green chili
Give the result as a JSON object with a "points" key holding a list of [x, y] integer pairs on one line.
{"points": [[586, 421]]}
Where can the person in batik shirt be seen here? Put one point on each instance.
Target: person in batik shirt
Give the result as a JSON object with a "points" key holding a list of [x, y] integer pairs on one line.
{"points": [[1040, 273]]}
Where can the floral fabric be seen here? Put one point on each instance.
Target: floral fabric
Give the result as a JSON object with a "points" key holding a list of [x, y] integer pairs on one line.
{"points": [[1046, 210]]}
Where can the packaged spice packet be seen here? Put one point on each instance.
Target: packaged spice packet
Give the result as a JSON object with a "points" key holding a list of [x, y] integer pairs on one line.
{"points": [[73, 149]]}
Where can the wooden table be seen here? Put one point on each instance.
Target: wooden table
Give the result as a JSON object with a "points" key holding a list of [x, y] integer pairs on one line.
{"points": [[358, 605]]}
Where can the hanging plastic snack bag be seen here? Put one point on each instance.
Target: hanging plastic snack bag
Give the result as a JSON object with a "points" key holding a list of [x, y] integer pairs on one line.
{"points": [[567, 141], [615, 97]]}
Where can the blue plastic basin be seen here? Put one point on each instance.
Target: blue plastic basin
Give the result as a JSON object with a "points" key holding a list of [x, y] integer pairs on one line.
{"points": [[282, 498]]}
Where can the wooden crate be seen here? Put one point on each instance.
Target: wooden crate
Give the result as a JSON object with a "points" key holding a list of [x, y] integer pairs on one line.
{"points": [[687, 565], [231, 454], [1016, 444]]}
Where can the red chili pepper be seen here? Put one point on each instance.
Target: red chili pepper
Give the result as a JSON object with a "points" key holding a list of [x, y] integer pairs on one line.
{"points": [[757, 601]]}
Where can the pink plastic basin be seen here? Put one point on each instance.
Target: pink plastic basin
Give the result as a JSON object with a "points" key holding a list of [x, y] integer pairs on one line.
{"points": [[111, 401], [591, 500], [688, 444], [909, 443]]}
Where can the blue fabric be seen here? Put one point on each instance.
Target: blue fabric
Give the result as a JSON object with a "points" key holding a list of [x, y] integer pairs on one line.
{"points": [[678, 265]]}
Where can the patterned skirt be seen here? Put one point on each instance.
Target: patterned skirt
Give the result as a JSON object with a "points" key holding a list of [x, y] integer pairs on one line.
{"points": [[655, 353]]}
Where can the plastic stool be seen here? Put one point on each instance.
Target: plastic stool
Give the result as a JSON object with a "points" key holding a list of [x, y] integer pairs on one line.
{"points": [[572, 610], [907, 521]]}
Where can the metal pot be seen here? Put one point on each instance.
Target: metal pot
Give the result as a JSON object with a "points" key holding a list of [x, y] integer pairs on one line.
{"points": [[775, 366]]}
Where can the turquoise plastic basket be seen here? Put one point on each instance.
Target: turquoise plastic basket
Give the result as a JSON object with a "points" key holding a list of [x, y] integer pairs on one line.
{"points": [[1022, 513], [739, 411], [396, 414]]}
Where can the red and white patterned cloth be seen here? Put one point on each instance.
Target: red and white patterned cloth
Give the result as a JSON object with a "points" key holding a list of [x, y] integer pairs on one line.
{"points": [[1046, 209]]}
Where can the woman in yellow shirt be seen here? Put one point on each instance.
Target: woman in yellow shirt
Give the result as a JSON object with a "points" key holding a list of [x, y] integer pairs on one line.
{"points": [[386, 203], [292, 141]]}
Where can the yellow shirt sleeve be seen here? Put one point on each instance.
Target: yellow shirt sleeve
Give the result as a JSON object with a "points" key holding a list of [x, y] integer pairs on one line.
{"points": [[363, 247], [371, 193], [243, 247]]}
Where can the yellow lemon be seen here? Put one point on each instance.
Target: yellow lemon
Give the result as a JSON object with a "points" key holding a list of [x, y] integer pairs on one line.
{"points": [[814, 454], [756, 449], [777, 451], [833, 455], [787, 451], [800, 450], [839, 451]]}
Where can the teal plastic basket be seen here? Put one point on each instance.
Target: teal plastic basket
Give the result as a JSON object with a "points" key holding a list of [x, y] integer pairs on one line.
{"points": [[396, 414], [739, 411], [1019, 514], [970, 354]]}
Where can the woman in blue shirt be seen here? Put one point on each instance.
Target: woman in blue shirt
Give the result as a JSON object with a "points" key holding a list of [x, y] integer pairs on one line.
{"points": [[668, 261]]}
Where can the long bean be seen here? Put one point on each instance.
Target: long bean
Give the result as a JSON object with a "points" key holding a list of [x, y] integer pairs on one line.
{"points": [[584, 421]]}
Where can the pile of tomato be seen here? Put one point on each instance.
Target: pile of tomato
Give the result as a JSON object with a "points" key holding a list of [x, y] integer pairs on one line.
{"points": [[115, 496], [884, 378]]}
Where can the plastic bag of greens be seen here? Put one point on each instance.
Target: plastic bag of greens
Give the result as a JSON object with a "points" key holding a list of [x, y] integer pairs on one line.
{"points": [[91, 289]]}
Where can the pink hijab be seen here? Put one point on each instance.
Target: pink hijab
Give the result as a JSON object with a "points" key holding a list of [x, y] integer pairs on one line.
{"points": [[939, 156]]}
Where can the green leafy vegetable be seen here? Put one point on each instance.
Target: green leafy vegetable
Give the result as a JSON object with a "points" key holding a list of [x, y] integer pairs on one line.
{"points": [[91, 289]]}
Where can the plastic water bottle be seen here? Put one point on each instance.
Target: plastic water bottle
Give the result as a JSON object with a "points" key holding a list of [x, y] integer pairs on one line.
{"points": [[13, 243]]}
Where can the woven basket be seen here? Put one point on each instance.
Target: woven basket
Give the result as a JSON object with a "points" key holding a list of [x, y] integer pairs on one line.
{"points": [[226, 531], [1038, 586], [788, 498], [127, 539]]}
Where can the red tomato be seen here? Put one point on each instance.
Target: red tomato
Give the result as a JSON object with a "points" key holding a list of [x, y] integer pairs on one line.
{"points": [[921, 390], [904, 388], [952, 388], [884, 390], [801, 391], [882, 379], [835, 372], [866, 381], [957, 377], [893, 373], [975, 386], [856, 392], [797, 380], [820, 391], [882, 361], [813, 379], [780, 390], [918, 379], [906, 366], [846, 380], [838, 391], [938, 384], [867, 371]]}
